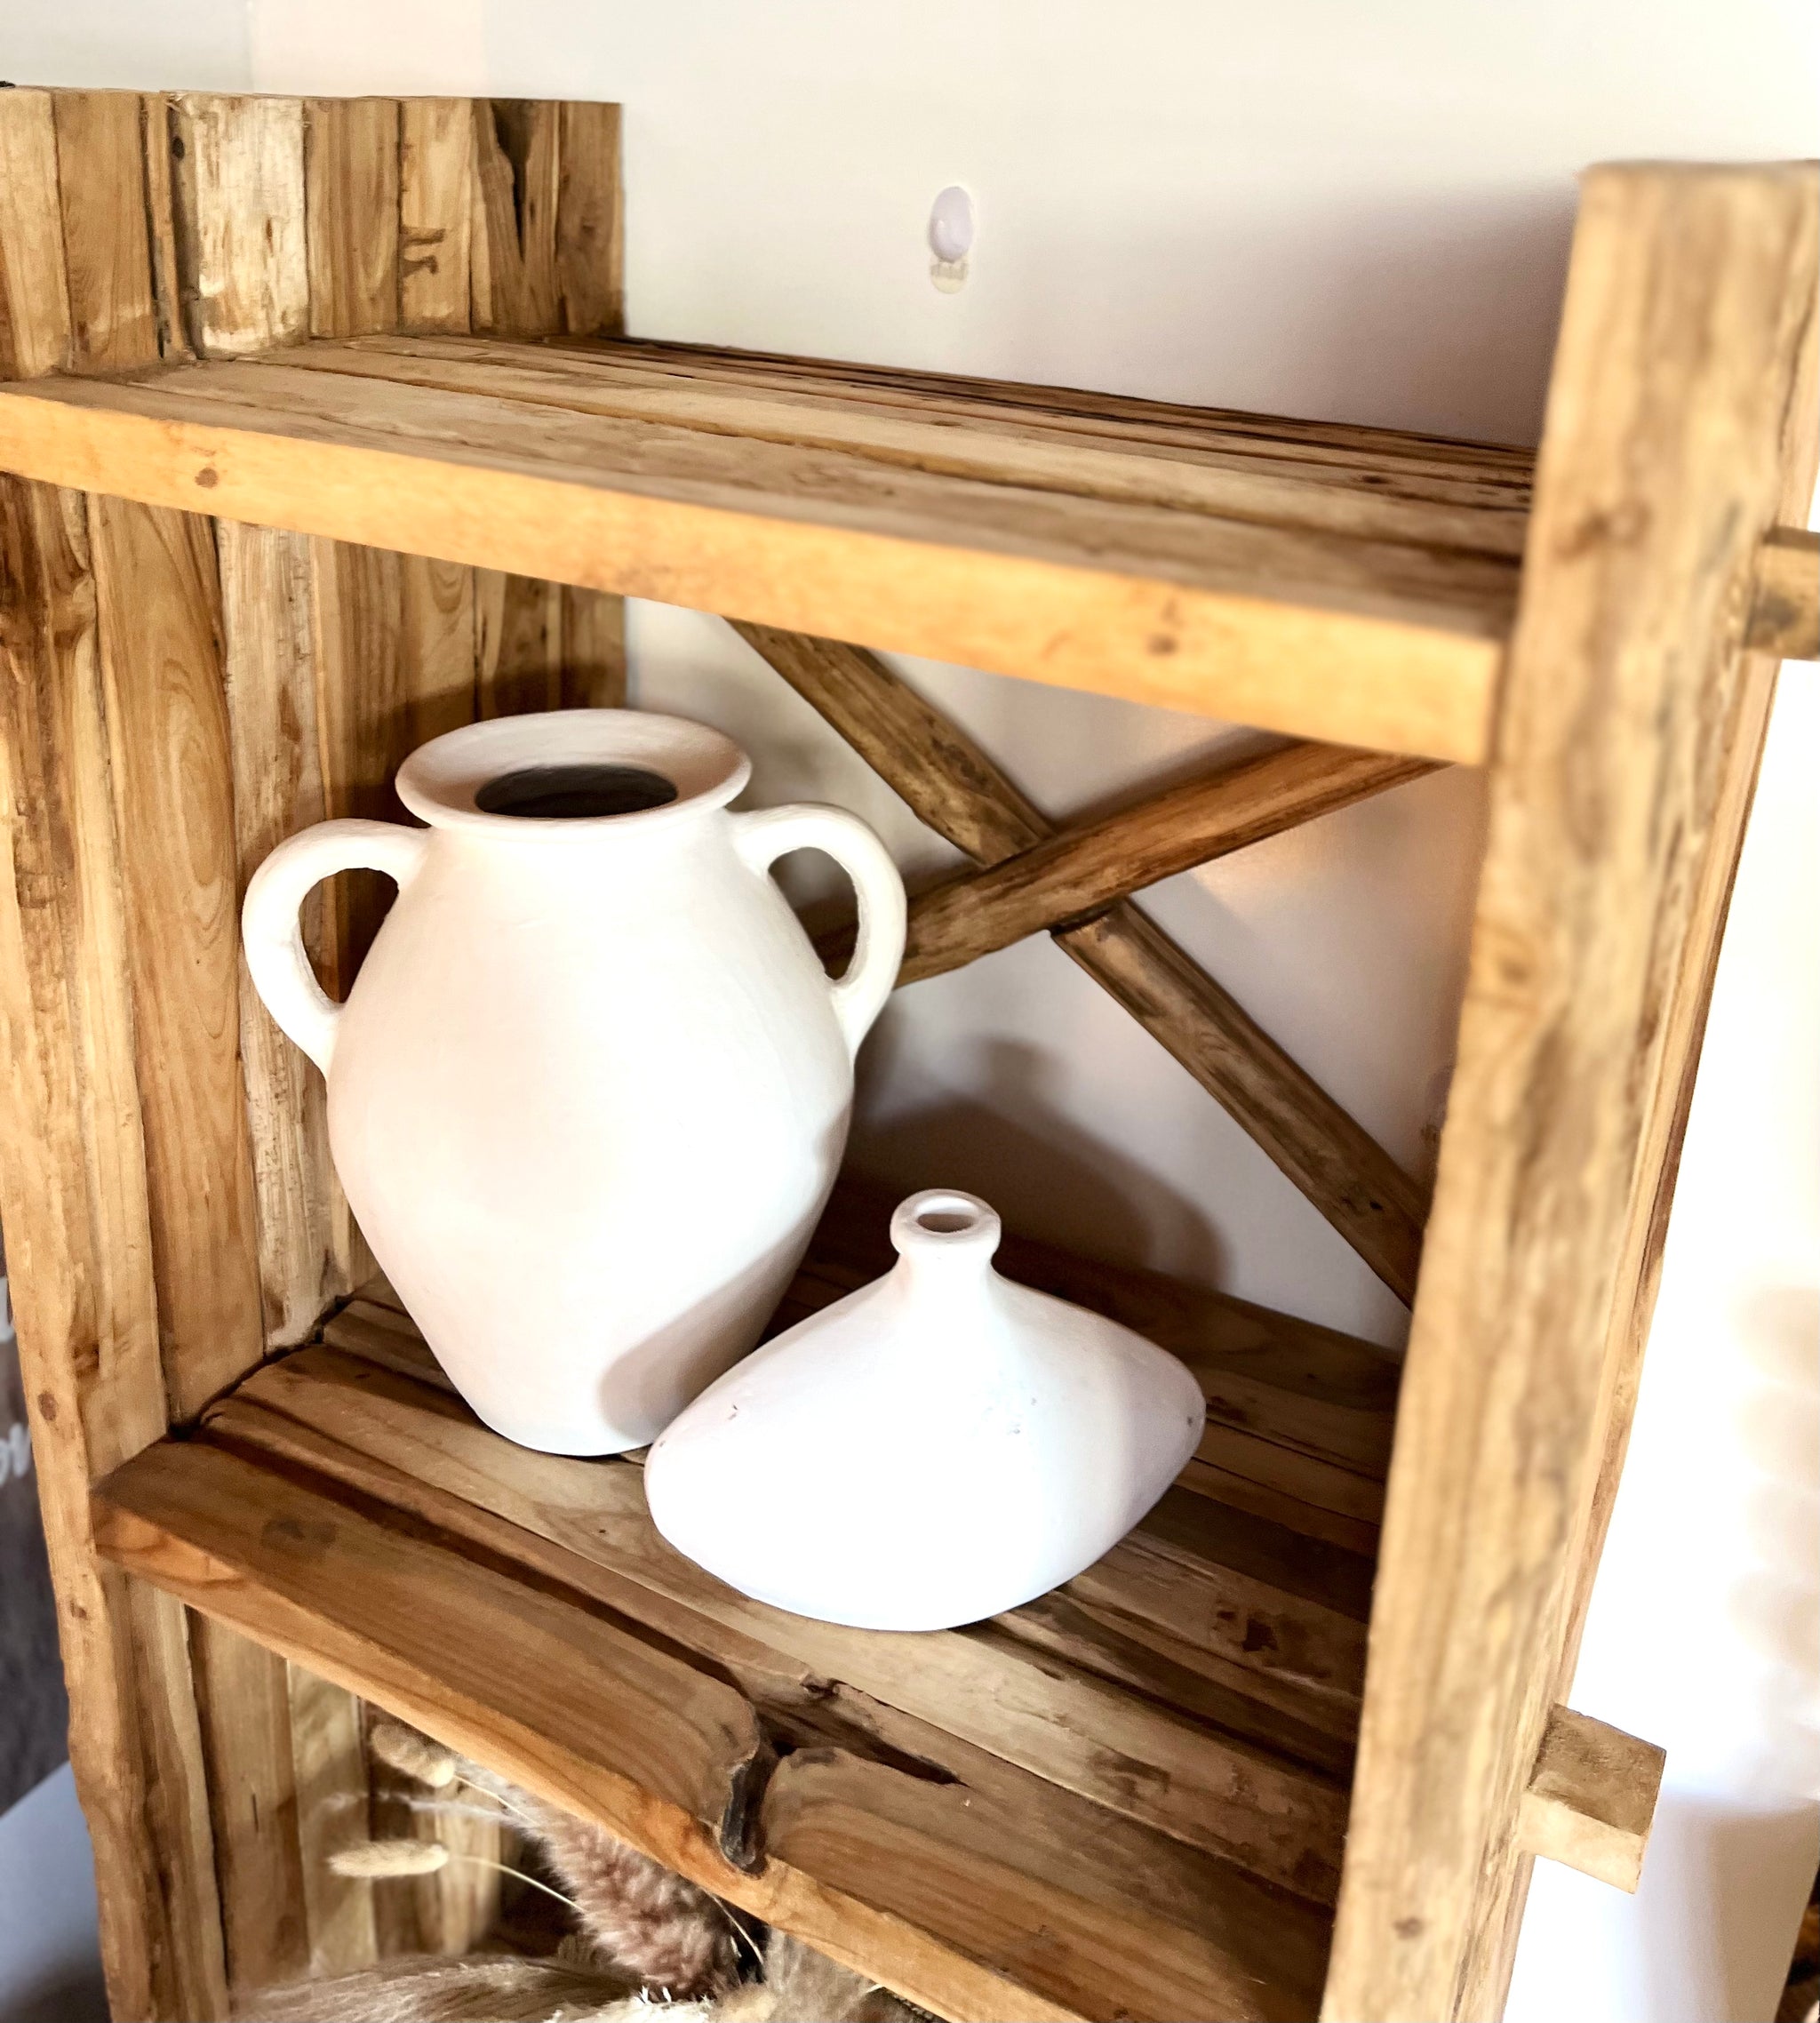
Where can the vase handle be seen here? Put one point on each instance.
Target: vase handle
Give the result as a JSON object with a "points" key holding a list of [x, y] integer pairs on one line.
{"points": [[273, 933], [878, 952]]}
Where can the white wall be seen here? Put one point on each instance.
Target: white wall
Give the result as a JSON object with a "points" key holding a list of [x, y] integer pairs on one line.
{"points": [[1324, 209]]}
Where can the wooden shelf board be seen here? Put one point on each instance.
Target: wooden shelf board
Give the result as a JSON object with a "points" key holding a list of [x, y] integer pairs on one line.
{"points": [[1347, 584], [1128, 1798]]}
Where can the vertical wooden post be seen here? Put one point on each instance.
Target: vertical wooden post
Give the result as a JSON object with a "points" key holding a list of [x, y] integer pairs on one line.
{"points": [[1627, 738], [167, 1191], [83, 1191]]}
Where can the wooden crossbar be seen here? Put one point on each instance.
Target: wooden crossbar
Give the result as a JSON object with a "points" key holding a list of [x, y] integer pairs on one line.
{"points": [[1078, 873], [957, 788]]}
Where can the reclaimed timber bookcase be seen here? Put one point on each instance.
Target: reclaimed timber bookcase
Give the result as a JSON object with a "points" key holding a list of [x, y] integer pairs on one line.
{"points": [[319, 437]]}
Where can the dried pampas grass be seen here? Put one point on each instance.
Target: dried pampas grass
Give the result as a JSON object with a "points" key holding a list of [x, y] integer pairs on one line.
{"points": [[800, 1986], [645, 1932], [374, 1860], [426, 1988], [411, 1755]]}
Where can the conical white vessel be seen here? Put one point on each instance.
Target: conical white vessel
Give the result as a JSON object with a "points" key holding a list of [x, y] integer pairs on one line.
{"points": [[939, 1446]]}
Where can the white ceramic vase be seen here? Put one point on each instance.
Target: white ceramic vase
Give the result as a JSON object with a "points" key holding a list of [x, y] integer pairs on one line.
{"points": [[937, 1447], [591, 1086]]}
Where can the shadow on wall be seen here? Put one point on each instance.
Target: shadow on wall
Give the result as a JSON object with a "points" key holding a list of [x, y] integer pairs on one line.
{"points": [[1046, 1176], [1708, 1869]]}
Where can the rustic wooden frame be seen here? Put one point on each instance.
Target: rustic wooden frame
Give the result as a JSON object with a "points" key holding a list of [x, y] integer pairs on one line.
{"points": [[182, 692]]}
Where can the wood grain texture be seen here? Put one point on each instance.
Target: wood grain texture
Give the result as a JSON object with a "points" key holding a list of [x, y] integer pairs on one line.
{"points": [[365, 716], [435, 177], [161, 662], [518, 646], [33, 287], [945, 1947], [72, 1197], [1379, 487], [1690, 312], [1081, 871], [670, 1752], [190, 1761], [1058, 1720], [590, 256], [244, 1707], [159, 137], [1010, 1873], [517, 173], [1591, 1798], [328, 1755], [593, 650], [958, 790], [1785, 604], [1305, 630], [269, 669], [1736, 762], [962, 795], [239, 189], [1214, 1940], [352, 209], [107, 254]]}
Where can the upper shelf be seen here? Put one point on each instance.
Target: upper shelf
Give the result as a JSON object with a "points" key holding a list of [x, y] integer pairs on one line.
{"points": [[1355, 585]]}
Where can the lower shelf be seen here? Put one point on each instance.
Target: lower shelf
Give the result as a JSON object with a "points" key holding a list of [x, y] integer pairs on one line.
{"points": [[1127, 1799]]}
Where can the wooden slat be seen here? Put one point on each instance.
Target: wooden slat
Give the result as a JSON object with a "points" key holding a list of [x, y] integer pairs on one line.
{"points": [[1487, 484], [1370, 642], [78, 1231], [1785, 604], [1081, 871], [593, 650], [158, 134], [435, 176], [1684, 1030], [517, 644], [1591, 1798], [113, 315], [516, 172], [393, 1439], [34, 290], [255, 194], [590, 256], [958, 790], [240, 210], [328, 1754], [160, 660], [1094, 1901], [1690, 306], [243, 1704], [351, 148], [969, 429], [270, 674]]}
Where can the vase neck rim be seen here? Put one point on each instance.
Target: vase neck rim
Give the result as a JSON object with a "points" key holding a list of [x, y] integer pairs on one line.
{"points": [[569, 775], [942, 1231]]}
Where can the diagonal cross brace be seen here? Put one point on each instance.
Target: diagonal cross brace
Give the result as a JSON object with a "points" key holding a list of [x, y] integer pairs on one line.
{"points": [[955, 787]]}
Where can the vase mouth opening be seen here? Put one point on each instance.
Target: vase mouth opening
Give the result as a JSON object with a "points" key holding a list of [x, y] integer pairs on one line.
{"points": [[943, 1221], [572, 772]]}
